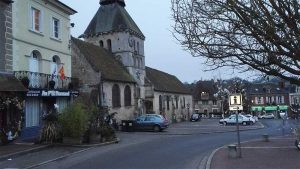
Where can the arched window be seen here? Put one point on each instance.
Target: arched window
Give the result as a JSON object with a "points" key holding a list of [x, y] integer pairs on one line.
{"points": [[34, 61], [101, 43], [160, 103], [109, 48], [127, 96], [168, 102], [116, 101]]}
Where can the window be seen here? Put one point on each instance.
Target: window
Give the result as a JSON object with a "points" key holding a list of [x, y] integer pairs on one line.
{"points": [[160, 103], [214, 102], [116, 101], [101, 43], [184, 102], [296, 100], [168, 102], [268, 99], [138, 48], [258, 100], [36, 20], [109, 48], [55, 28], [204, 102], [215, 110], [176, 99], [280, 99], [127, 96]]}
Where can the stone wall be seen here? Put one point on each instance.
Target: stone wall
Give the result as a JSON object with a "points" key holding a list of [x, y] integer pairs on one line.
{"points": [[5, 37], [81, 69]]}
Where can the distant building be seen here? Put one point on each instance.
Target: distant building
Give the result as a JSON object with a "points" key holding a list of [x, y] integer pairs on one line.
{"points": [[206, 102], [269, 98], [294, 98]]}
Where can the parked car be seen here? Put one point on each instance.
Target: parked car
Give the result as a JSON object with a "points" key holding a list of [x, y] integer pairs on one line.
{"points": [[153, 122], [195, 117], [251, 118], [232, 120], [267, 116]]}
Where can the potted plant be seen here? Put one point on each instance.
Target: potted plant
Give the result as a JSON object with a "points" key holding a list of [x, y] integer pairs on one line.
{"points": [[74, 123]]}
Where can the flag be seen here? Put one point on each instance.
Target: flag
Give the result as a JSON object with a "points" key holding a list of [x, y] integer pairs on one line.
{"points": [[53, 73], [62, 73]]}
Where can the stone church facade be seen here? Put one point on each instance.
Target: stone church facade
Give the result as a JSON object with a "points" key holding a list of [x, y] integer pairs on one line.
{"points": [[123, 79]]}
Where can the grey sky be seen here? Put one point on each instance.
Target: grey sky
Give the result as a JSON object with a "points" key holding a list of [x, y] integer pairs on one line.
{"points": [[162, 51]]}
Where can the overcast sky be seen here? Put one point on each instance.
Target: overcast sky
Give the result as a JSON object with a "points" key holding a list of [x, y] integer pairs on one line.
{"points": [[162, 51]]}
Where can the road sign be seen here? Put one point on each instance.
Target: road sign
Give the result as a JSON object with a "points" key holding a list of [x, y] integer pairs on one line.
{"points": [[235, 102]]}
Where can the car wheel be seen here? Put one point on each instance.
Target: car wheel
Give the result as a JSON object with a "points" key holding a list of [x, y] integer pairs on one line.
{"points": [[244, 123], [156, 128], [251, 123]]}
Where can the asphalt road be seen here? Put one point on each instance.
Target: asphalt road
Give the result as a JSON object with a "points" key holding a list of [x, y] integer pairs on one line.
{"points": [[146, 150]]}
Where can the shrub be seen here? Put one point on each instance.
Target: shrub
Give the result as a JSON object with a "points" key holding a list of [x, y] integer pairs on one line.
{"points": [[74, 121]]}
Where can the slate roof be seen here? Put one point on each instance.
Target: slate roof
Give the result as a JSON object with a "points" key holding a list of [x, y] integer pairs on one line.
{"points": [[259, 88], [8, 82], [205, 86], [165, 82], [103, 61], [112, 18]]}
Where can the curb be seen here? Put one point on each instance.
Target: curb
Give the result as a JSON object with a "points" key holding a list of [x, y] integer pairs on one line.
{"points": [[88, 146], [208, 163], [12, 155], [80, 151]]}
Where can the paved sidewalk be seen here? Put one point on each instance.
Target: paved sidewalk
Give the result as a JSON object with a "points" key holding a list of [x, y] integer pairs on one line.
{"points": [[18, 148], [278, 153]]}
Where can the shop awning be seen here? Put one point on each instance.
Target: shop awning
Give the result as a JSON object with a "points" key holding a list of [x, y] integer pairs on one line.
{"points": [[269, 108], [8, 82]]}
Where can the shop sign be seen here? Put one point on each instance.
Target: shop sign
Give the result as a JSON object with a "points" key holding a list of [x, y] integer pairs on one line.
{"points": [[51, 93], [55, 93]]}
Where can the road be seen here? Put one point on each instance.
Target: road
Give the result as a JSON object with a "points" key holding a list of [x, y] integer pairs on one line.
{"points": [[146, 150]]}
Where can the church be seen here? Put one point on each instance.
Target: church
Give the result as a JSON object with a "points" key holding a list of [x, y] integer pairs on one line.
{"points": [[109, 61]]}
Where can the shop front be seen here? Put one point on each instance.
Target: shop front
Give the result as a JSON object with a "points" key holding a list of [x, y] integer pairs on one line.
{"points": [[259, 110], [40, 103]]}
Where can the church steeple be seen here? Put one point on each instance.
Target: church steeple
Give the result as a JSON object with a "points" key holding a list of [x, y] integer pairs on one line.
{"points": [[107, 2]]}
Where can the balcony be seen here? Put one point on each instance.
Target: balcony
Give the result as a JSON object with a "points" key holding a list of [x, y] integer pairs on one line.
{"points": [[34, 80]]}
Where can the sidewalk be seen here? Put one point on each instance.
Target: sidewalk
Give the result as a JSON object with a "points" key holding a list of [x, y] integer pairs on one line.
{"points": [[18, 148], [278, 153]]}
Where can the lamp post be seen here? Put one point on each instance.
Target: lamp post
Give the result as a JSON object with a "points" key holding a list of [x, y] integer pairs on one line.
{"points": [[238, 134]]}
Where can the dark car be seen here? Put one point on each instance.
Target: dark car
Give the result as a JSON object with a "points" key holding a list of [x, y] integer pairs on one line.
{"points": [[153, 122], [195, 117]]}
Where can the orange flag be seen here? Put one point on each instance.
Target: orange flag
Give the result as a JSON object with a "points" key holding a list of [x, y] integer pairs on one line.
{"points": [[62, 73]]}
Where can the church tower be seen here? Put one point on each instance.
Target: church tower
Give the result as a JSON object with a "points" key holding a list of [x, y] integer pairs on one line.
{"points": [[113, 28]]}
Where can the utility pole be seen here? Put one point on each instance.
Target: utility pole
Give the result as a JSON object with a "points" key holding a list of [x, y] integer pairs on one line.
{"points": [[238, 133]]}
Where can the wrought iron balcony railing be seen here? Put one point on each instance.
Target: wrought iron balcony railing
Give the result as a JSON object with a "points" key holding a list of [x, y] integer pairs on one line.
{"points": [[34, 80]]}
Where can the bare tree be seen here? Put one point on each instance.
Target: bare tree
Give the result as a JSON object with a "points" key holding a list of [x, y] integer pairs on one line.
{"points": [[258, 35]]}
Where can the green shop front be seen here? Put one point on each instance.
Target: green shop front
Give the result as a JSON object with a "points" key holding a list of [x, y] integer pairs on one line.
{"points": [[258, 110]]}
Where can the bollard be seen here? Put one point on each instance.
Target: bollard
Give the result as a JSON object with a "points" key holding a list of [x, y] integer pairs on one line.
{"points": [[232, 151], [265, 137]]}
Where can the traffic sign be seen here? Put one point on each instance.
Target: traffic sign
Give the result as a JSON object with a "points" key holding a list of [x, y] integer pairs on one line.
{"points": [[235, 102]]}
